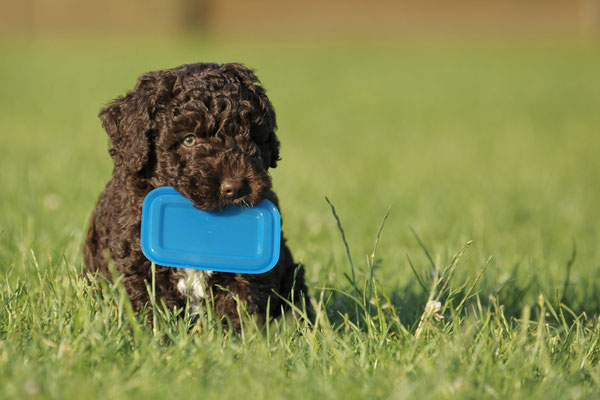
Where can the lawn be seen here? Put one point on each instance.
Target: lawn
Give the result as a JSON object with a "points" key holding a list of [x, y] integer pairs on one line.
{"points": [[487, 157]]}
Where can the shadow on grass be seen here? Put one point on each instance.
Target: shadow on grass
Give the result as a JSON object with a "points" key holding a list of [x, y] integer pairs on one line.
{"points": [[443, 295]]}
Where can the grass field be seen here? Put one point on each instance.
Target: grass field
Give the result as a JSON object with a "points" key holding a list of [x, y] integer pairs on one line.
{"points": [[489, 153]]}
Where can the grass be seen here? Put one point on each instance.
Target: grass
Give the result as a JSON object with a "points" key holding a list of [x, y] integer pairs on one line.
{"points": [[480, 283]]}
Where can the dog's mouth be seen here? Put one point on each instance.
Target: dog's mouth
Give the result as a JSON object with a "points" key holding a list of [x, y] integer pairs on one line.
{"points": [[219, 203], [233, 190], [224, 204], [239, 202]]}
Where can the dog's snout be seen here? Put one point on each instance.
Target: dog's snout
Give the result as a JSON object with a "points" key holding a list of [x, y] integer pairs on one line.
{"points": [[233, 188]]}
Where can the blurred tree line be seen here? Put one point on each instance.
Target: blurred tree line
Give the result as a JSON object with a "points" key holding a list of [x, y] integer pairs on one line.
{"points": [[309, 17]]}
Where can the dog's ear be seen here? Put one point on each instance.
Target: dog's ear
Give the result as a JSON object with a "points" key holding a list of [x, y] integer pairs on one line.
{"points": [[274, 145], [265, 133], [130, 120], [264, 124]]}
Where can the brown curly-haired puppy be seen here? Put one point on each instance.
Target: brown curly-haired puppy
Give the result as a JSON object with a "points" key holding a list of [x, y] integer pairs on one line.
{"points": [[209, 131]]}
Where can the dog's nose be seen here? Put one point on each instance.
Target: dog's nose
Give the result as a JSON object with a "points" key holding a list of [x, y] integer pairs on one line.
{"points": [[233, 188]]}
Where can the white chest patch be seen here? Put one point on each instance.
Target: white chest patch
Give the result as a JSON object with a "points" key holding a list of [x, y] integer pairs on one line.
{"points": [[191, 283]]}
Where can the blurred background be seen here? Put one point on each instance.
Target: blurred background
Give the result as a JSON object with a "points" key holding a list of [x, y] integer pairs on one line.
{"points": [[473, 120], [311, 17]]}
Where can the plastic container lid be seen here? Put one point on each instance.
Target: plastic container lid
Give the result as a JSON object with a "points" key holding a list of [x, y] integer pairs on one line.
{"points": [[236, 239]]}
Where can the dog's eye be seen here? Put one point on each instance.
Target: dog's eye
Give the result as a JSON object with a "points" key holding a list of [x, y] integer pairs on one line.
{"points": [[189, 141]]}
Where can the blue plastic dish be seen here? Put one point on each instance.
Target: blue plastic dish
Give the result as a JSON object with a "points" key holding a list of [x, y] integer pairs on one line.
{"points": [[236, 239]]}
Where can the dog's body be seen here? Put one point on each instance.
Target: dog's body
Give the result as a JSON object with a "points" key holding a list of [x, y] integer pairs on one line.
{"points": [[209, 131]]}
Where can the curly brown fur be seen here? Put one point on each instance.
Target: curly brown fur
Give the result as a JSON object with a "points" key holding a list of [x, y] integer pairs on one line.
{"points": [[233, 125]]}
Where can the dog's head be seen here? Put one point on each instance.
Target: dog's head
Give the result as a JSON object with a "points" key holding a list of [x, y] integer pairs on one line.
{"points": [[206, 129]]}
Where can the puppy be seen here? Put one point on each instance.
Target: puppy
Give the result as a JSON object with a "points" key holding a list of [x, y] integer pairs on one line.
{"points": [[209, 131]]}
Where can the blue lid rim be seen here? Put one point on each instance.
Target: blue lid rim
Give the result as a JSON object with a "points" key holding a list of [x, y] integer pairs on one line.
{"points": [[150, 253]]}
